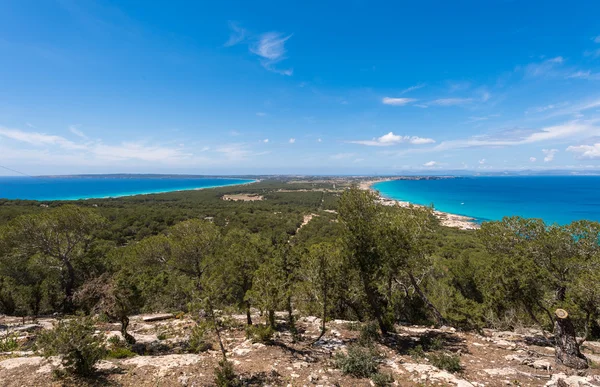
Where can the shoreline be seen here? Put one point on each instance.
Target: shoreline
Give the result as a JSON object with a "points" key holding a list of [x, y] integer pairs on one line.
{"points": [[447, 219], [141, 193]]}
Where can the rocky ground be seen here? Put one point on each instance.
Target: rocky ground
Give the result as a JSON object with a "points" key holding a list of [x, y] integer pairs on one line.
{"points": [[493, 358]]}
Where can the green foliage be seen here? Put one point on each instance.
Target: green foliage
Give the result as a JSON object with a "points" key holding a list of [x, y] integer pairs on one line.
{"points": [[445, 361], [417, 352], [199, 341], [9, 342], [225, 375], [369, 334], [76, 342], [382, 379], [361, 362], [260, 333], [120, 353]]}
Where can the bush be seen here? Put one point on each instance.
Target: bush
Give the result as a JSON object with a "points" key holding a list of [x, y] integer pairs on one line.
{"points": [[198, 341], [76, 342], [360, 362], [119, 349], [416, 352], [225, 375], [382, 379], [259, 333], [9, 343], [120, 353], [444, 361], [369, 334]]}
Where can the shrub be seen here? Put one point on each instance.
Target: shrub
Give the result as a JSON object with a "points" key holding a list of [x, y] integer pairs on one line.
{"points": [[432, 343], [259, 333], [120, 353], [198, 341], [416, 352], [382, 379], [225, 375], [369, 334], [76, 342], [10, 342], [118, 349], [360, 362], [444, 361]]}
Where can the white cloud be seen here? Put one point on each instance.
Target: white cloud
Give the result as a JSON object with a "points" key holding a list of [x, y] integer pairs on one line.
{"points": [[38, 139], [271, 48], [451, 101], [545, 68], [340, 156], [412, 88], [397, 101], [261, 114], [431, 164], [238, 34], [541, 109], [586, 151], [319, 140], [74, 129], [292, 140], [584, 75], [597, 39], [532, 159], [266, 140], [60, 146], [482, 161], [392, 139], [549, 154]]}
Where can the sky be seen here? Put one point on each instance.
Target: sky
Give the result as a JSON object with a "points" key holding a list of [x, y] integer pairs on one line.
{"points": [[298, 87]]}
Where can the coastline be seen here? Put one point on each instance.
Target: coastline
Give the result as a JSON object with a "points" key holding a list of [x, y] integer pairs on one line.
{"points": [[447, 219], [129, 194]]}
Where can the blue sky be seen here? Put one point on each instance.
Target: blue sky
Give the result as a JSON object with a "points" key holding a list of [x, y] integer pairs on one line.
{"points": [[298, 87]]}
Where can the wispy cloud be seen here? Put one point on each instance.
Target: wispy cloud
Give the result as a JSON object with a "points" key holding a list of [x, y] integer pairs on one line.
{"points": [[238, 34], [451, 101], [544, 68], [270, 47], [340, 156], [74, 129], [392, 139], [397, 101], [586, 151], [430, 164], [549, 154], [413, 88], [541, 109], [95, 149], [261, 114], [292, 140], [532, 159]]}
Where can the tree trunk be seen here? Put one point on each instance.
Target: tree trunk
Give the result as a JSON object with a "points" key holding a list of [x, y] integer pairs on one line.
{"points": [[213, 318], [69, 286], [567, 348], [439, 319], [271, 314], [375, 307], [324, 316], [248, 316], [124, 324]]}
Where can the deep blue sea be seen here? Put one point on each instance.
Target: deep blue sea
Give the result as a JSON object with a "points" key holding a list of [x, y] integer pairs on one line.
{"points": [[555, 199], [76, 187]]}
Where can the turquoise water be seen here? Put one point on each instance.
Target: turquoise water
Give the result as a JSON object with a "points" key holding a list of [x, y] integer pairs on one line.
{"points": [[555, 199], [88, 187]]}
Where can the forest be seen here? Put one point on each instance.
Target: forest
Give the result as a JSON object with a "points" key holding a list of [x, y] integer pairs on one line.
{"points": [[356, 259]]}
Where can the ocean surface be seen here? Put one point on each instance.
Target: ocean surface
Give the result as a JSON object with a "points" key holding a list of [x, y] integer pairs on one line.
{"points": [[555, 199], [80, 187]]}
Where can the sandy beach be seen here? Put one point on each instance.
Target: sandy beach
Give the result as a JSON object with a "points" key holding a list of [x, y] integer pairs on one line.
{"points": [[446, 219]]}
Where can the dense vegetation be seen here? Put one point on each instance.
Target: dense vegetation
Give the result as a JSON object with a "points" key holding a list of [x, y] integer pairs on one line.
{"points": [[192, 251]]}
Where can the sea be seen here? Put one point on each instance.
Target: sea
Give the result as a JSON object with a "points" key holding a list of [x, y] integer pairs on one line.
{"points": [[92, 187], [555, 199]]}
